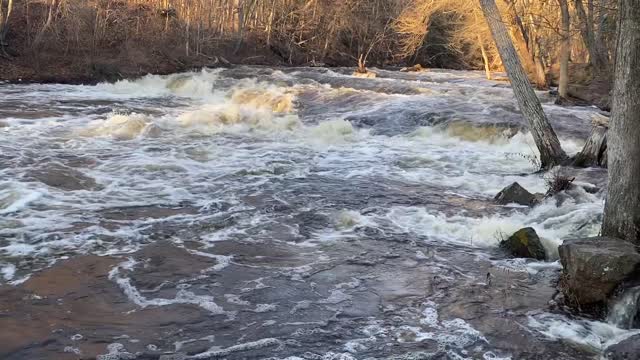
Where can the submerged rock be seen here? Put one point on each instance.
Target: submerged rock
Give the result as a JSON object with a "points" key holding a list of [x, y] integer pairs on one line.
{"points": [[63, 177], [3, 124], [516, 194], [525, 243], [594, 268], [628, 349]]}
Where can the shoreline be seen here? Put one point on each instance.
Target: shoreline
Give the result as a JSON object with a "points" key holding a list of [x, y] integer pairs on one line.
{"points": [[92, 72]]}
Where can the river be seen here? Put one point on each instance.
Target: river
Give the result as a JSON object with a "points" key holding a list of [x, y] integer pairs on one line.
{"points": [[293, 213]]}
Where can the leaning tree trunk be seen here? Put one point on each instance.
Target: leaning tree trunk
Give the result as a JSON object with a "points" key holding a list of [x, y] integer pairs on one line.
{"points": [[622, 208], [565, 49], [551, 152]]}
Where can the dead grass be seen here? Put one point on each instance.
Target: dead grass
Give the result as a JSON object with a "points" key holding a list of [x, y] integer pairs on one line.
{"points": [[557, 181]]}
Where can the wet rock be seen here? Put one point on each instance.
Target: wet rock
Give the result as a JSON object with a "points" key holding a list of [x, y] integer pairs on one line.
{"points": [[594, 268], [152, 131], [628, 349], [65, 178], [525, 243], [516, 194], [3, 124]]}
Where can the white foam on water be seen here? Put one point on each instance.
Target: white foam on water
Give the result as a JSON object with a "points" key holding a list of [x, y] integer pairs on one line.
{"points": [[118, 126], [15, 196], [182, 296], [8, 271], [216, 352], [262, 308], [594, 334], [194, 84], [552, 223]]}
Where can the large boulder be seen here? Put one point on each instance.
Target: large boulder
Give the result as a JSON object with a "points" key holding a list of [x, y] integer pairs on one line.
{"points": [[628, 349], [525, 243], [594, 268], [516, 194]]}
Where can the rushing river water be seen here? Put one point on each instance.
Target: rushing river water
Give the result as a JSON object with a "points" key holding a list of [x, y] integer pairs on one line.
{"points": [[255, 213]]}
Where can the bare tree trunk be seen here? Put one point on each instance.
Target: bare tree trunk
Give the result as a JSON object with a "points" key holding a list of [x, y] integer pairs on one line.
{"points": [[241, 23], [565, 49], [485, 58], [521, 41], [622, 208], [4, 23], [596, 58], [551, 152], [47, 24]]}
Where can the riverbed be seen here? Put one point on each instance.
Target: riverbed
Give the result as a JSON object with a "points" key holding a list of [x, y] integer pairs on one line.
{"points": [[284, 213]]}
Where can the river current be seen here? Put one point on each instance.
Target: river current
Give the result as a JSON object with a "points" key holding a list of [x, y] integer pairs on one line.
{"points": [[294, 213]]}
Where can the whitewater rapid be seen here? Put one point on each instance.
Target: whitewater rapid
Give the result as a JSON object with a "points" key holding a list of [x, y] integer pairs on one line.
{"points": [[309, 158]]}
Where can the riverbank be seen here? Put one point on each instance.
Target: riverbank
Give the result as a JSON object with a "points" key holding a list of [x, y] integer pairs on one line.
{"points": [[585, 89], [111, 66]]}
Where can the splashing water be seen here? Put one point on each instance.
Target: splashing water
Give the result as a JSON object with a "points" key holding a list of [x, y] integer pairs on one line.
{"points": [[624, 311]]}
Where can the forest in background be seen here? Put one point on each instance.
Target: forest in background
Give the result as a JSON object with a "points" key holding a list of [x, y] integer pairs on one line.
{"points": [[84, 40]]}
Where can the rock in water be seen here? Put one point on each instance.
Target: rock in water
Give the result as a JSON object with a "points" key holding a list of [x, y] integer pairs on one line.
{"points": [[525, 243], [628, 349], [594, 268], [515, 193], [63, 177]]}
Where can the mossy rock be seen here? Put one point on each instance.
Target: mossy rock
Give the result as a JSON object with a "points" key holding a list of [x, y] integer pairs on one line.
{"points": [[525, 243]]}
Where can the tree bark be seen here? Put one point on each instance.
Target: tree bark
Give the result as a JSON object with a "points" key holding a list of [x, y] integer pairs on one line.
{"points": [[565, 49], [594, 152], [596, 58], [622, 207], [551, 152]]}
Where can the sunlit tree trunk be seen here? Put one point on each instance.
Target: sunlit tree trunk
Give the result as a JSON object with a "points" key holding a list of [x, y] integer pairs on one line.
{"points": [[4, 22], [521, 41], [551, 152], [565, 49], [622, 208], [485, 58]]}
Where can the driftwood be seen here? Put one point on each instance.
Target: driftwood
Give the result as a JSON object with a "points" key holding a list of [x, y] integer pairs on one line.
{"points": [[414, 68], [594, 152]]}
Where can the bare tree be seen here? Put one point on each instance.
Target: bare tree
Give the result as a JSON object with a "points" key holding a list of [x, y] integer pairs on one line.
{"points": [[596, 56], [5, 16], [565, 49], [551, 152], [622, 208]]}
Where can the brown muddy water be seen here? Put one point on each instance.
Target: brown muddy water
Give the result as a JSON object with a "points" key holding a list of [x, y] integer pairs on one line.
{"points": [[260, 213]]}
